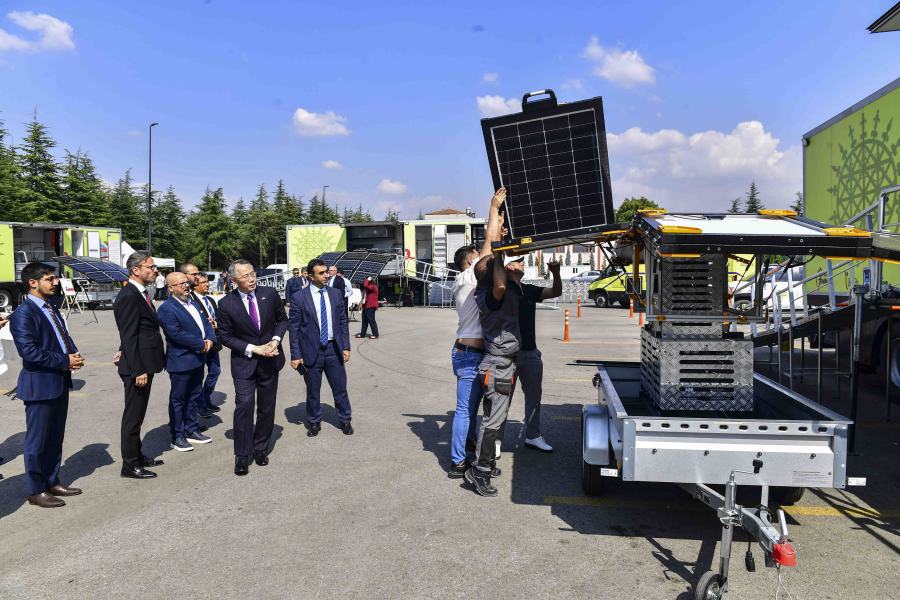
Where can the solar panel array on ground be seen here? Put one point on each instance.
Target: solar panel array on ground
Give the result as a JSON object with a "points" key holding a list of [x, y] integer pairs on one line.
{"points": [[94, 269]]}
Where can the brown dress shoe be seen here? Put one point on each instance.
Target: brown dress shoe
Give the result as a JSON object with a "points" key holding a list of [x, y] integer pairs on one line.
{"points": [[45, 500], [62, 490]]}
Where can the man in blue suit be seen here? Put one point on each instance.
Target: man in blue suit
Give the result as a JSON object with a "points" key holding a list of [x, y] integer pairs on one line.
{"points": [[320, 342], [49, 355], [189, 337]]}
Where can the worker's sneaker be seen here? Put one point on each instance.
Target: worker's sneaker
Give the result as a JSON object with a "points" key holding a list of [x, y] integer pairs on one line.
{"points": [[495, 470], [538, 443], [497, 450], [458, 470], [481, 482]]}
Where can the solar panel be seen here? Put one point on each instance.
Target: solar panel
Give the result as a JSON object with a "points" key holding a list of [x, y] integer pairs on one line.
{"points": [[553, 162], [349, 261], [330, 258], [371, 266], [94, 269]]}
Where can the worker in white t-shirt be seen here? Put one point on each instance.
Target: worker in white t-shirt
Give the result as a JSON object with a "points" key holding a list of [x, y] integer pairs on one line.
{"points": [[468, 349], [160, 285]]}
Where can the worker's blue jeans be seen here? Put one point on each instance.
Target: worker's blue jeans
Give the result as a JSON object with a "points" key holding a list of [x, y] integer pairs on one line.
{"points": [[469, 390]]}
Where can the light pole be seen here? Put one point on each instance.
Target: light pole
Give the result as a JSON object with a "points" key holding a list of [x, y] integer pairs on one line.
{"points": [[150, 190], [323, 199]]}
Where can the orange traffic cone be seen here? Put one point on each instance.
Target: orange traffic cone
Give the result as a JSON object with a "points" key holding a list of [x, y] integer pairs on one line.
{"points": [[631, 308], [579, 307], [566, 330], [640, 319]]}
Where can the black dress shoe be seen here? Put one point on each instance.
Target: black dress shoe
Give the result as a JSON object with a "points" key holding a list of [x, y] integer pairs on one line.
{"points": [[137, 473], [314, 429], [213, 408], [241, 465], [202, 428], [205, 414], [151, 462], [347, 428], [260, 458]]}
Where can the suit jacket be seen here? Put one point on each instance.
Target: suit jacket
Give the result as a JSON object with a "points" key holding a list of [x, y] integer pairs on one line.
{"points": [[292, 285], [304, 325], [45, 366], [139, 338], [236, 331], [371, 300], [203, 311], [184, 347], [339, 283]]}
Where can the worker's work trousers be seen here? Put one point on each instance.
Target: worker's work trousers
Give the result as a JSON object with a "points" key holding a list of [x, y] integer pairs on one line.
{"points": [[498, 375], [530, 371]]}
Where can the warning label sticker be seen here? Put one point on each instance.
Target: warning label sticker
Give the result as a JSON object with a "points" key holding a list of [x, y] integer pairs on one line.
{"points": [[811, 479]]}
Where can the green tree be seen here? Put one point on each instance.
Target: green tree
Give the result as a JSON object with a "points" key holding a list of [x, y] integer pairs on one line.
{"points": [[211, 241], [392, 215], [753, 204], [630, 206], [12, 189], [357, 215], [168, 226], [83, 191], [263, 223], [736, 206], [799, 204], [568, 262], [128, 211], [593, 261], [42, 199]]}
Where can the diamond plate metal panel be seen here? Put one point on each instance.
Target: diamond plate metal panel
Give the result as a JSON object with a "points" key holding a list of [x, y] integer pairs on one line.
{"points": [[697, 374], [691, 285]]}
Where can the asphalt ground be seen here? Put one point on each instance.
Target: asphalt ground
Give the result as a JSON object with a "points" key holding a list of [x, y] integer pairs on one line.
{"points": [[374, 515]]}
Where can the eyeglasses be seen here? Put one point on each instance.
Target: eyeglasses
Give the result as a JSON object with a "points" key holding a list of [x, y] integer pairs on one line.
{"points": [[250, 275], [182, 284], [50, 278], [151, 267]]}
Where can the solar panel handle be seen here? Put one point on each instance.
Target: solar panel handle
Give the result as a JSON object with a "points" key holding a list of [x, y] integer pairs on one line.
{"points": [[538, 103]]}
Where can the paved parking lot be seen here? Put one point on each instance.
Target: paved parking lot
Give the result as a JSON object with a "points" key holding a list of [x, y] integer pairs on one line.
{"points": [[374, 516]]}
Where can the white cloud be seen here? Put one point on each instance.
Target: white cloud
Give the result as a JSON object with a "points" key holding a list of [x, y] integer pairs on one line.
{"points": [[310, 124], [332, 164], [705, 170], [495, 106], [490, 77], [54, 33], [573, 84], [390, 186], [624, 67]]}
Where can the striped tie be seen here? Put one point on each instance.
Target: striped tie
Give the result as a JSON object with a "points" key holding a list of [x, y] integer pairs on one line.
{"points": [[70, 346], [323, 336]]}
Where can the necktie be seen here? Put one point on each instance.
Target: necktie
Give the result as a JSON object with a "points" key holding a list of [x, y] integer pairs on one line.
{"points": [[70, 347], [254, 314], [209, 307], [323, 336], [149, 302]]}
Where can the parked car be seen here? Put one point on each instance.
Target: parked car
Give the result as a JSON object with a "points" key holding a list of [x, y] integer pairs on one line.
{"points": [[586, 277]]}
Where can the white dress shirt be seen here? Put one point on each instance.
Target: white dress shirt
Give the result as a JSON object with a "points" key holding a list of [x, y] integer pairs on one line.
{"points": [[195, 314], [317, 304]]}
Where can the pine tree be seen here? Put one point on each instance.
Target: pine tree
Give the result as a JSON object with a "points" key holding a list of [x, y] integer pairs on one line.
{"points": [[211, 240], [42, 200], [392, 215], [314, 214], [799, 204], [753, 205], [128, 211], [735, 206], [83, 191], [262, 222], [168, 226], [12, 189], [568, 257]]}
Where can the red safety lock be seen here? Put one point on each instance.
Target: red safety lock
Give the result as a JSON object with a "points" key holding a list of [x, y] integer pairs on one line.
{"points": [[784, 554]]}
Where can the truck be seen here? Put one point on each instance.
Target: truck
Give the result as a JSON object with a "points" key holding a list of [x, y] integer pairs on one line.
{"points": [[22, 243]]}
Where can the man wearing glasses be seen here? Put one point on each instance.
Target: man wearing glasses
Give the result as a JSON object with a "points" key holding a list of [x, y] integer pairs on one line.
{"points": [[141, 355], [206, 408], [49, 355], [252, 322]]}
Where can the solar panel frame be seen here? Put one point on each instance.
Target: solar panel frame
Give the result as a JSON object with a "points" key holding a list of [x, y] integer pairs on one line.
{"points": [[330, 258], [94, 269], [552, 142]]}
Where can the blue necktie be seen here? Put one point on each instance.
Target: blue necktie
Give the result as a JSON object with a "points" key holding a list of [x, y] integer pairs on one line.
{"points": [[323, 336]]}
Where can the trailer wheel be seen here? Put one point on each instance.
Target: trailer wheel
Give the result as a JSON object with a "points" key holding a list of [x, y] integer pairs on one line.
{"points": [[6, 298], [785, 496], [601, 300], [743, 305], [709, 587], [591, 480]]}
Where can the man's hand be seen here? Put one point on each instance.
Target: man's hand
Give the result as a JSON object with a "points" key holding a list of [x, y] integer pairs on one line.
{"points": [[296, 363], [3, 322], [141, 380], [213, 323], [499, 198], [267, 350], [207, 346], [553, 266], [75, 361], [346, 356], [116, 357]]}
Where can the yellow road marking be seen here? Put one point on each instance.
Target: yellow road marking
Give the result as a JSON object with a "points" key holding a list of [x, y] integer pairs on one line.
{"points": [[800, 511]]}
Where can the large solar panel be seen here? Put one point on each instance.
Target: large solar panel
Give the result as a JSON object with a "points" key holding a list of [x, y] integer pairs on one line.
{"points": [[94, 269], [553, 162], [330, 258], [371, 266], [350, 260]]}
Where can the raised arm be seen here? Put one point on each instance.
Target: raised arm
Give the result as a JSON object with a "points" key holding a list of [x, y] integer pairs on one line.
{"points": [[556, 290], [498, 277], [492, 231]]}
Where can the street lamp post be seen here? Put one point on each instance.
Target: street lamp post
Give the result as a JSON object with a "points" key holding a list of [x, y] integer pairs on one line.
{"points": [[150, 190]]}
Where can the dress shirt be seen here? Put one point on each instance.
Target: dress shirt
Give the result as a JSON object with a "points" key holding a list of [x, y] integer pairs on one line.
{"points": [[209, 305], [317, 303], [195, 313], [42, 304], [141, 287], [248, 351]]}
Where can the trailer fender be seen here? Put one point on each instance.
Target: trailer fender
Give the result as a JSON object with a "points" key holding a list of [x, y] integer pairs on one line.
{"points": [[595, 440]]}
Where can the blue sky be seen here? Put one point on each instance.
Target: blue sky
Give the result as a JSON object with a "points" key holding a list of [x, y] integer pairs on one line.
{"points": [[382, 101]]}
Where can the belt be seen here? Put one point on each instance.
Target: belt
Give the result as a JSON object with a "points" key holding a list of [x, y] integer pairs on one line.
{"points": [[464, 348]]}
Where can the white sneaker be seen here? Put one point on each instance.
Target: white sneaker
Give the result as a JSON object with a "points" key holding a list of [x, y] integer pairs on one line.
{"points": [[539, 443], [497, 450]]}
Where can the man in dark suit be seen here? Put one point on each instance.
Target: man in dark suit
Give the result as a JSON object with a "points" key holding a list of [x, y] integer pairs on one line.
{"points": [[141, 356], [320, 341], [189, 337], [49, 355], [296, 282], [252, 322], [213, 364]]}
